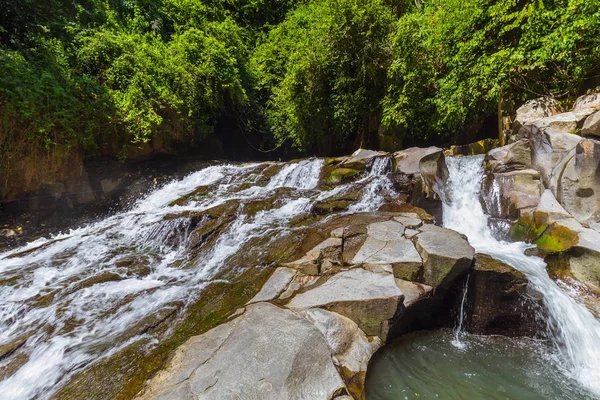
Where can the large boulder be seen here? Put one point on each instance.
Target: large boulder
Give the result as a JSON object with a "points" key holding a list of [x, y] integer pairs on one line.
{"points": [[361, 158], [386, 244], [587, 102], [509, 193], [529, 112], [549, 147], [446, 255], [350, 347], [407, 161], [591, 126], [556, 232], [501, 300], [512, 157], [369, 299], [266, 353], [434, 171], [578, 188]]}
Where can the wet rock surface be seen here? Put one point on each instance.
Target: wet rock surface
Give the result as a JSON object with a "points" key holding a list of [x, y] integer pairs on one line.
{"points": [[341, 299], [501, 300]]}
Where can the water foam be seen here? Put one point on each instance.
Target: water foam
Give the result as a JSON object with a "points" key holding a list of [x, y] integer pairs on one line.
{"points": [[574, 330]]}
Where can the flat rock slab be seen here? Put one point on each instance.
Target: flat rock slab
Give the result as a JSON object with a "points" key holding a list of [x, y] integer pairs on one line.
{"points": [[268, 353], [387, 230], [369, 299], [446, 254], [409, 221], [276, 284]]}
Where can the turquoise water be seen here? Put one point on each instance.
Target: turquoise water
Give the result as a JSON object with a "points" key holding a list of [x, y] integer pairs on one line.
{"points": [[426, 365]]}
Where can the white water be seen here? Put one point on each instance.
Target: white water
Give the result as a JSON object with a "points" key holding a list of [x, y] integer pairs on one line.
{"points": [[378, 185], [85, 322], [574, 330]]}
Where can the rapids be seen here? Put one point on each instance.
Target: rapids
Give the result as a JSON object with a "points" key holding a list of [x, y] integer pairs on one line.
{"points": [[72, 300]]}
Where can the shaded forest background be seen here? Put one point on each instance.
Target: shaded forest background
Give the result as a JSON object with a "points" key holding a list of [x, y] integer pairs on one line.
{"points": [[296, 77]]}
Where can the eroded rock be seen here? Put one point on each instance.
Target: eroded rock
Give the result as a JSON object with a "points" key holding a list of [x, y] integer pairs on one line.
{"points": [[446, 254], [407, 161]]}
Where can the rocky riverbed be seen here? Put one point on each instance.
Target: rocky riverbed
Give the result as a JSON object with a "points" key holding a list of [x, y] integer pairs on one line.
{"points": [[282, 280]]}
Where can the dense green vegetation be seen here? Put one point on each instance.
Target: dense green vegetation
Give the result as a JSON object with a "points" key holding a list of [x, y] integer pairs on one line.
{"points": [[314, 75]]}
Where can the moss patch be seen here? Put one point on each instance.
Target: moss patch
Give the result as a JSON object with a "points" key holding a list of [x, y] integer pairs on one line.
{"points": [[340, 175], [556, 239], [123, 375]]}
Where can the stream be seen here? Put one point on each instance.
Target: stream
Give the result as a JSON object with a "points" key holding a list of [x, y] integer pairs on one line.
{"points": [[456, 365], [77, 299]]}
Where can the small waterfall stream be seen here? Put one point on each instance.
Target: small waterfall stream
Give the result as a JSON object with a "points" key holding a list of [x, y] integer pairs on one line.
{"points": [[574, 330], [459, 330]]}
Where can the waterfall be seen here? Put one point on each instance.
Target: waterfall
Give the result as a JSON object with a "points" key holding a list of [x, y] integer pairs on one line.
{"points": [[573, 329], [71, 300]]}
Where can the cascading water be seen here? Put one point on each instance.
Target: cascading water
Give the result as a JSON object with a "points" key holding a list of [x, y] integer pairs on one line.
{"points": [[72, 300], [574, 330], [377, 185]]}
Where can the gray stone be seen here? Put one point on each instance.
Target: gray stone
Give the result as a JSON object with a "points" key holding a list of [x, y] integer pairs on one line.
{"points": [[300, 281], [309, 263], [410, 233], [387, 230], [501, 300], [446, 254], [567, 122], [512, 192], [360, 158], [350, 346], [578, 188], [515, 156], [374, 251], [587, 102], [591, 126], [275, 285], [369, 299], [267, 353], [409, 222], [413, 291], [548, 150], [407, 161], [434, 171], [536, 109]]}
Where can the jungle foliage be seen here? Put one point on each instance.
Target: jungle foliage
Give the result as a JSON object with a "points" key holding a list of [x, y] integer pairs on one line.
{"points": [[315, 75]]}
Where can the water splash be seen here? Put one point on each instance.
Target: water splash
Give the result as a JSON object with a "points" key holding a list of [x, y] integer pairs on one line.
{"points": [[574, 330], [378, 185]]}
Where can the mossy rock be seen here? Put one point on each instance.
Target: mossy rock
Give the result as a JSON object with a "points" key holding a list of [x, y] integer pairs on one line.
{"points": [[336, 203], [197, 194], [340, 175], [557, 238]]}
